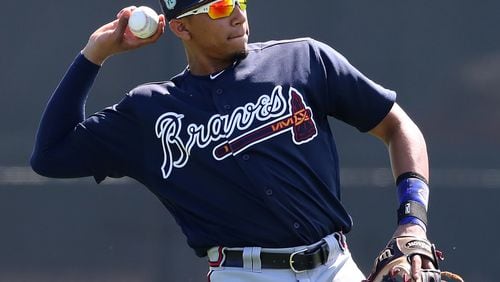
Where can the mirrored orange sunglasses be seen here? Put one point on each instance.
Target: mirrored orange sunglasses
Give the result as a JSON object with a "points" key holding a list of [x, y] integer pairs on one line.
{"points": [[217, 9]]}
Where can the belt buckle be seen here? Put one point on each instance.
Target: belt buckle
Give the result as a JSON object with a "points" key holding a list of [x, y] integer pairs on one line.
{"points": [[291, 261]]}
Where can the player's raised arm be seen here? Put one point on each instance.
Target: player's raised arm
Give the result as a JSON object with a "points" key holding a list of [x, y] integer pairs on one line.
{"points": [[55, 153], [115, 37]]}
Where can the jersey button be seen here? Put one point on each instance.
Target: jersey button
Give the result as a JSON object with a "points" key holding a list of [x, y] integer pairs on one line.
{"points": [[269, 192], [219, 91], [227, 107], [296, 225], [245, 157]]}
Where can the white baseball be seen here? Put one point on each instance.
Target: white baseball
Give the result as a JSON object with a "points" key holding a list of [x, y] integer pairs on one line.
{"points": [[143, 22]]}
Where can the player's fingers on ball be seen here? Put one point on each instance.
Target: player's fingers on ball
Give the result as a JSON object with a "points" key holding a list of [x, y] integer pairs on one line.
{"points": [[122, 23], [151, 39], [161, 20], [161, 26], [159, 31], [416, 266], [129, 9]]}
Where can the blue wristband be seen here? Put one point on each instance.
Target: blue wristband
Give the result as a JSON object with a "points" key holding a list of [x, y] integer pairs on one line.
{"points": [[413, 189]]}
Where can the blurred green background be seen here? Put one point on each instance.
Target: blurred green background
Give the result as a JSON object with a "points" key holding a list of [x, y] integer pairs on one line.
{"points": [[442, 57]]}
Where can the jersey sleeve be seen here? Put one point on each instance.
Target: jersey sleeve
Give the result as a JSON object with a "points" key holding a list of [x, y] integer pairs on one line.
{"points": [[351, 96], [69, 145], [110, 140]]}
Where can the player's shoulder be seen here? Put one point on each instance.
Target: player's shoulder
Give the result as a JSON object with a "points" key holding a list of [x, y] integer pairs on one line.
{"points": [[305, 47], [150, 89], [285, 43]]}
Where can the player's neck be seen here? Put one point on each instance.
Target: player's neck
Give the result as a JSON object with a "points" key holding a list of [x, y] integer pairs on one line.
{"points": [[206, 68], [205, 65]]}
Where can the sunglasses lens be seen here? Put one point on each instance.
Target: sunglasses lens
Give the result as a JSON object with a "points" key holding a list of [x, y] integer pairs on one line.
{"points": [[221, 9], [243, 5], [224, 8]]}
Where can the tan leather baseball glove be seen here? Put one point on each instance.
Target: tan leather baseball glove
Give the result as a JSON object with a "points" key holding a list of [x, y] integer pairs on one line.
{"points": [[394, 262]]}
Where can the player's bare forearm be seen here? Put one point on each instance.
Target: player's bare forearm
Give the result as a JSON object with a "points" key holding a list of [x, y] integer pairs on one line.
{"points": [[115, 37], [408, 153], [405, 142]]}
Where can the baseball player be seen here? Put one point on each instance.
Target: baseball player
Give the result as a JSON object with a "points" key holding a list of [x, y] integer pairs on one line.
{"points": [[237, 146]]}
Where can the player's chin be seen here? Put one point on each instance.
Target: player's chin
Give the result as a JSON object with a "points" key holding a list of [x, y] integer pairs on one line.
{"points": [[238, 56], [240, 46]]}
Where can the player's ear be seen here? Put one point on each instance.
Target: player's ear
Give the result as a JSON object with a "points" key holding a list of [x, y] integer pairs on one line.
{"points": [[179, 28]]}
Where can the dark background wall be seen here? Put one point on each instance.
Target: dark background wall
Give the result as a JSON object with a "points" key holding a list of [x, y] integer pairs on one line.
{"points": [[442, 57]]}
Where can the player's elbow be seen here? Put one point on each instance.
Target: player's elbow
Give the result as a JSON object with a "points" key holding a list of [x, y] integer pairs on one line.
{"points": [[37, 164], [40, 163], [57, 164]]}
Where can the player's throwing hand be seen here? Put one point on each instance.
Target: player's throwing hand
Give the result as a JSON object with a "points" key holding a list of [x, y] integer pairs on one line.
{"points": [[115, 37]]}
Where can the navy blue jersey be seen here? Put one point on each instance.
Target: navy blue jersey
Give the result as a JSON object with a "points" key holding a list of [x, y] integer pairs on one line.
{"points": [[243, 157]]}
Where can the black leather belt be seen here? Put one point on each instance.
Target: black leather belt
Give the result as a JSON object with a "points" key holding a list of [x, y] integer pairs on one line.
{"points": [[299, 261]]}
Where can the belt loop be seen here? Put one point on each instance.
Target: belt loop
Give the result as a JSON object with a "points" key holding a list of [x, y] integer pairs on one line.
{"points": [[247, 258], [342, 241], [216, 256], [333, 246], [256, 262]]}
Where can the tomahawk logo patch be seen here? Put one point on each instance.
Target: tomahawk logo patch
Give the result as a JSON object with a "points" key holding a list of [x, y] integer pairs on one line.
{"points": [[292, 117], [299, 122]]}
